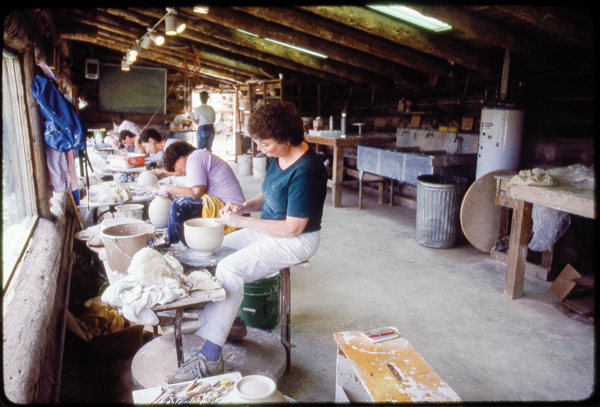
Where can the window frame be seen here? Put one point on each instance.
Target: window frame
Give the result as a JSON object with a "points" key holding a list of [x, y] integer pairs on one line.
{"points": [[14, 86]]}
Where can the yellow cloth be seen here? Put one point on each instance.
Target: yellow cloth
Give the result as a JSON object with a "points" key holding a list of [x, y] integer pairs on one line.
{"points": [[211, 207]]}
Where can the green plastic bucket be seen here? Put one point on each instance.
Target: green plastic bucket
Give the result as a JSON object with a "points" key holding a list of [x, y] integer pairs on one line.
{"points": [[260, 307]]}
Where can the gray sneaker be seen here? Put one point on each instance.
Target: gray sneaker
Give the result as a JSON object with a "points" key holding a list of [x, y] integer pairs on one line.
{"points": [[199, 366]]}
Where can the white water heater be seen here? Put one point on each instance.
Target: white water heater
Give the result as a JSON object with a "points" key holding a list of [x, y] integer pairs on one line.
{"points": [[500, 139]]}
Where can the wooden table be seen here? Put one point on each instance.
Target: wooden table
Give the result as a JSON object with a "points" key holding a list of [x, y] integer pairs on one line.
{"points": [[567, 198], [94, 206], [391, 371], [194, 299], [338, 144]]}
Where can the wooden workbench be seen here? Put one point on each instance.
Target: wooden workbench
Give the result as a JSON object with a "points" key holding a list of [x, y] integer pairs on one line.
{"points": [[391, 371], [567, 198], [338, 144]]}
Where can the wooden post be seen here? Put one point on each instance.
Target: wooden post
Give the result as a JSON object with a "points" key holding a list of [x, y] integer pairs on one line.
{"points": [[337, 177], [286, 330], [517, 250]]}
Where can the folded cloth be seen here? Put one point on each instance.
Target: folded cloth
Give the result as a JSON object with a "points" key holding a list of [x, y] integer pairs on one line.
{"points": [[535, 176], [153, 278]]}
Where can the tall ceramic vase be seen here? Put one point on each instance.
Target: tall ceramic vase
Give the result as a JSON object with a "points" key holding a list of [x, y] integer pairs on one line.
{"points": [[158, 211]]}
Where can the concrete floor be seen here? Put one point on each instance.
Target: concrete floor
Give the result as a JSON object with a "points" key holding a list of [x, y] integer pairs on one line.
{"points": [[370, 272]]}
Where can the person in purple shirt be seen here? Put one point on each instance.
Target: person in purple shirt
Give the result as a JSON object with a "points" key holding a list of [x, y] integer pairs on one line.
{"points": [[207, 174]]}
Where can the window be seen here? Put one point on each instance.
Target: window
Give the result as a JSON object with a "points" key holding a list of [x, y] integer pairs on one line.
{"points": [[19, 212]]}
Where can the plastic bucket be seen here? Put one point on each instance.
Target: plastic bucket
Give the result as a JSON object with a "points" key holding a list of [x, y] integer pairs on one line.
{"points": [[259, 167], [123, 241], [260, 306], [133, 211], [438, 209], [244, 164]]}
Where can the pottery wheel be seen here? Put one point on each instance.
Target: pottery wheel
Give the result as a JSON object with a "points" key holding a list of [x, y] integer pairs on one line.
{"points": [[190, 257], [479, 215], [259, 353]]}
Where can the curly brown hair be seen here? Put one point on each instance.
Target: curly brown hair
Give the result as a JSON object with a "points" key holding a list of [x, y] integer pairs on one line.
{"points": [[279, 121], [174, 152]]}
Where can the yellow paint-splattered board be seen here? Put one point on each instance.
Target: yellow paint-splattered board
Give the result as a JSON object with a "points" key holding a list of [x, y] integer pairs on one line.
{"points": [[388, 371]]}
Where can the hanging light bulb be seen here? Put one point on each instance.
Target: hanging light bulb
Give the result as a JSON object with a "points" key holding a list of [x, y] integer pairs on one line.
{"points": [[146, 41], [125, 64], [136, 48], [173, 25], [157, 38], [131, 56]]}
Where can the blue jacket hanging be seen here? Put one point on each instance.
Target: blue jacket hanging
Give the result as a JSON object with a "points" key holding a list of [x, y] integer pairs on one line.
{"points": [[63, 128]]}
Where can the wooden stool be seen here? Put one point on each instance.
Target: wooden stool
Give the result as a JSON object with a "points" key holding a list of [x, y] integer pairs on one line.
{"points": [[285, 310], [390, 371]]}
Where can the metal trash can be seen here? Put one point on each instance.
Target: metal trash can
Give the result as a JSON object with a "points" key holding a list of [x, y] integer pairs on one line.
{"points": [[438, 209]]}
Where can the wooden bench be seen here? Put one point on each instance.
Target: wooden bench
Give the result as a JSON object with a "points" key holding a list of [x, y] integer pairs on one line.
{"points": [[391, 371]]}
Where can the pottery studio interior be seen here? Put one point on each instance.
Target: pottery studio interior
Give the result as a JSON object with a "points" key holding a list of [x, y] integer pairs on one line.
{"points": [[442, 252]]}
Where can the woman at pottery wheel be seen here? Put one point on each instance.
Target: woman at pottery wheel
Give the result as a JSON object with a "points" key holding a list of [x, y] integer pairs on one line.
{"points": [[287, 232], [211, 184]]}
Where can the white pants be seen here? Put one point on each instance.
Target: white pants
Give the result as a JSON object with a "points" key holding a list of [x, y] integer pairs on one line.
{"points": [[257, 256]]}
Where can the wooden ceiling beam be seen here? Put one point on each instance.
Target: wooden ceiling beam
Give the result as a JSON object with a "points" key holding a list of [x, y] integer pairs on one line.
{"points": [[393, 30], [170, 61], [204, 38], [301, 21], [335, 52], [484, 30], [89, 18], [204, 29], [559, 21]]}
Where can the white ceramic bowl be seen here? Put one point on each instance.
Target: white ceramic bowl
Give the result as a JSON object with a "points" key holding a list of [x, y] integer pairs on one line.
{"points": [[255, 389], [203, 235]]}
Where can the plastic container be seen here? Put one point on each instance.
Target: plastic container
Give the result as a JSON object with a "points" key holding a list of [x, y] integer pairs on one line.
{"points": [[122, 242], [127, 161], [260, 306], [438, 209], [244, 164], [259, 167]]}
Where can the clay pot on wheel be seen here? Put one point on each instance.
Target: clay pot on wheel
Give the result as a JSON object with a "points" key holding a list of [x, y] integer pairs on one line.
{"points": [[147, 178], [203, 235], [158, 211]]}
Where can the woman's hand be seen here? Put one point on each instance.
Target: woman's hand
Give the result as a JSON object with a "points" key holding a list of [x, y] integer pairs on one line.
{"points": [[232, 219], [160, 172], [231, 208]]}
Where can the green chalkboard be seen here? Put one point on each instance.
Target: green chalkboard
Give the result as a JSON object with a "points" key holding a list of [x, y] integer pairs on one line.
{"points": [[139, 90]]}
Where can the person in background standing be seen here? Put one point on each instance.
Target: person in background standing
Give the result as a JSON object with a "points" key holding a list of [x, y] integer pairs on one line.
{"points": [[204, 117]]}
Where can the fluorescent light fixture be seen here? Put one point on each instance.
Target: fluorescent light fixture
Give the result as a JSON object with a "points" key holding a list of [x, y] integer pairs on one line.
{"points": [[201, 9], [286, 45], [407, 14], [298, 48], [246, 32]]}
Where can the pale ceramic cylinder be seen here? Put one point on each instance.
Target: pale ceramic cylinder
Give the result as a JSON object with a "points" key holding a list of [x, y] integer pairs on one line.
{"points": [[158, 211], [203, 235]]}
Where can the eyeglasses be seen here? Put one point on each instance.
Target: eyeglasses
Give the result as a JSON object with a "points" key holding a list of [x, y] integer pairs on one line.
{"points": [[262, 147]]}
